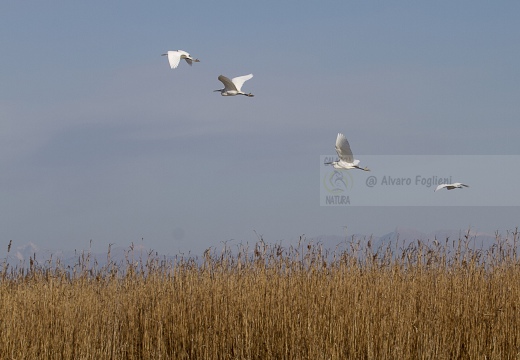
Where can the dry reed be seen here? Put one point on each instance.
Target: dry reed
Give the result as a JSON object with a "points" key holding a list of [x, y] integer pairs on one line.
{"points": [[427, 301]]}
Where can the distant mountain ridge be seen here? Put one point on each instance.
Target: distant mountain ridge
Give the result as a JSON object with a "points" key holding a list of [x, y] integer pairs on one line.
{"points": [[21, 255], [403, 237]]}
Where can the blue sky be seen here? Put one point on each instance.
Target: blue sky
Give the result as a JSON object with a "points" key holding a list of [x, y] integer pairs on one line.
{"points": [[100, 140]]}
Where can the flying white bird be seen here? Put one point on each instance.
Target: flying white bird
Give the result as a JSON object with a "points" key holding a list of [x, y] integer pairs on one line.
{"points": [[346, 158], [174, 57], [451, 186], [234, 86]]}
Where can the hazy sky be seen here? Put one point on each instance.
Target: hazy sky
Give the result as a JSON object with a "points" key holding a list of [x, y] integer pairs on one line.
{"points": [[101, 140]]}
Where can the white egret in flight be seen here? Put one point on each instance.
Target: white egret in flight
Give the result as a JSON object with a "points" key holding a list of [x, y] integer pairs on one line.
{"points": [[174, 57], [346, 158], [451, 186], [234, 86]]}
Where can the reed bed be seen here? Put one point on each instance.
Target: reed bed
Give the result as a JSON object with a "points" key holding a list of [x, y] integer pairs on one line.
{"points": [[434, 300]]}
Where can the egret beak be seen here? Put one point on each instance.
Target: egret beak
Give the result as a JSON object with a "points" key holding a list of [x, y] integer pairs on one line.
{"points": [[250, 95], [164, 54], [196, 60]]}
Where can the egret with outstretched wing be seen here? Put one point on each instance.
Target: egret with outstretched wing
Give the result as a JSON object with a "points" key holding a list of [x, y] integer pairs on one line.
{"points": [[346, 158], [451, 186], [234, 86], [174, 57]]}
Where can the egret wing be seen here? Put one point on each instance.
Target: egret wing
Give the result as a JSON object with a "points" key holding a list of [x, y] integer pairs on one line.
{"points": [[343, 149], [174, 57], [441, 186], [228, 84], [186, 56], [240, 80]]}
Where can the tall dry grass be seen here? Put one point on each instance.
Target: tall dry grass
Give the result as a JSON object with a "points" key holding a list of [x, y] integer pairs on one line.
{"points": [[427, 301]]}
